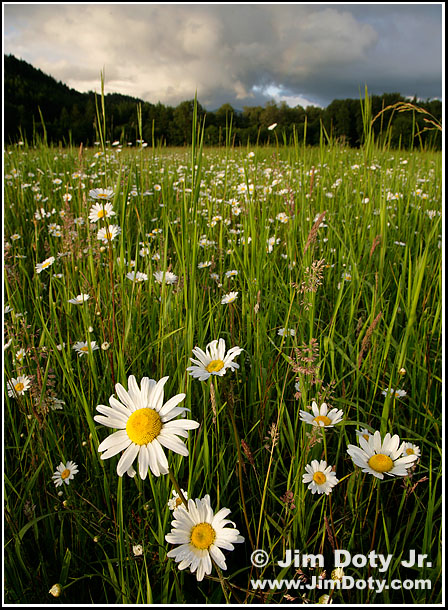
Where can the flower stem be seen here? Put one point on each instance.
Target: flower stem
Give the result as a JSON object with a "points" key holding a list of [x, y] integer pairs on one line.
{"points": [[177, 487], [240, 462]]}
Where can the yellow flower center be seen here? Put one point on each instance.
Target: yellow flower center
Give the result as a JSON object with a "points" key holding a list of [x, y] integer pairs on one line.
{"points": [[214, 366], [84, 348], [65, 473], [410, 451], [46, 264], [101, 195], [108, 235], [19, 387], [202, 536], [178, 502], [143, 426], [365, 436], [101, 213], [380, 463], [319, 478], [326, 421]]}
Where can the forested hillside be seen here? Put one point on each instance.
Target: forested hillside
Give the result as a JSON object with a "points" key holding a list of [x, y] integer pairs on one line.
{"points": [[38, 106]]}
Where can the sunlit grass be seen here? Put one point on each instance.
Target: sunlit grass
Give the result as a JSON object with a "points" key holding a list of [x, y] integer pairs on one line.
{"points": [[342, 246]]}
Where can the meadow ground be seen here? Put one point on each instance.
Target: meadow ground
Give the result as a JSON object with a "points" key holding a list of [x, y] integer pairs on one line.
{"points": [[317, 424]]}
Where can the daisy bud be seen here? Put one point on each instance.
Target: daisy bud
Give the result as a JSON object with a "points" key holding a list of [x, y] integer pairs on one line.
{"points": [[55, 590]]}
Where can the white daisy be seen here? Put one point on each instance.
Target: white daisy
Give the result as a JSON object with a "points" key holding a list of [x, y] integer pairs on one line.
{"points": [[176, 501], [20, 355], [137, 276], [325, 599], [18, 387], [394, 393], [65, 473], [363, 433], [169, 277], [231, 273], [286, 332], [321, 416], [321, 478], [82, 347], [214, 361], [376, 456], [229, 298], [45, 264], [109, 234], [201, 535], [101, 194], [78, 300], [137, 549], [143, 426], [101, 210], [411, 449]]}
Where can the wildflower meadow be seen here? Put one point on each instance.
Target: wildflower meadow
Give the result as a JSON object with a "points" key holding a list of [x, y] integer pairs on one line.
{"points": [[222, 372]]}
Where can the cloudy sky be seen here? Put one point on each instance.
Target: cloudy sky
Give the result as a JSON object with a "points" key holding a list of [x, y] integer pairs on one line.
{"points": [[242, 54]]}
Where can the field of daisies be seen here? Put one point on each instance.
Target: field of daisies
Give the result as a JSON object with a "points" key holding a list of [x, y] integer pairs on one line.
{"points": [[216, 360]]}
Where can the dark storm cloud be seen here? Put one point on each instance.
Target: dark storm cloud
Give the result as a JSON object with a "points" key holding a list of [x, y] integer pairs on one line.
{"points": [[241, 54]]}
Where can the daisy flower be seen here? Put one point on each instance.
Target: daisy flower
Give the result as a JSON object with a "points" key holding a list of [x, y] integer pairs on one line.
{"points": [[18, 387], [176, 501], [394, 393], [144, 426], [286, 332], [410, 449], [78, 300], [82, 347], [137, 549], [65, 473], [321, 478], [201, 535], [231, 273], [169, 277], [325, 599], [321, 416], [214, 361], [46, 263], [55, 590], [107, 235], [101, 210], [101, 194], [376, 456], [363, 433], [20, 354], [137, 276], [229, 298], [282, 217]]}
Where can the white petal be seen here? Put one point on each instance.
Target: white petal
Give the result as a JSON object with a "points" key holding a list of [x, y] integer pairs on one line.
{"points": [[127, 459], [170, 441], [160, 456], [110, 422], [124, 397], [218, 556], [156, 398], [117, 438], [171, 404], [143, 462]]}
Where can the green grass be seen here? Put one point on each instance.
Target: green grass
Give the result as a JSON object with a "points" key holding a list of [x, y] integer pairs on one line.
{"points": [[377, 330]]}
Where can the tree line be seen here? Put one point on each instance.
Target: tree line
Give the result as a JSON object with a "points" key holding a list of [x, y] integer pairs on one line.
{"points": [[37, 107]]}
